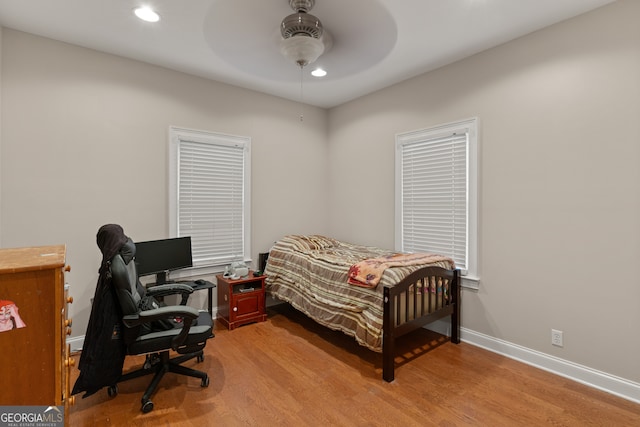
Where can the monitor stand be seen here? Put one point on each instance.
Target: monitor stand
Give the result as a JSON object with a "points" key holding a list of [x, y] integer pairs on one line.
{"points": [[162, 278]]}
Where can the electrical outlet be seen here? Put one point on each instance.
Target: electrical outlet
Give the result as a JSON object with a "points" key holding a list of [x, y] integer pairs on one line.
{"points": [[556, 338]]}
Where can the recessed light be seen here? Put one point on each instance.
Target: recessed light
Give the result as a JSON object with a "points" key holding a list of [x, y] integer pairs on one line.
{"points": [[318, 72], [146, 14]]}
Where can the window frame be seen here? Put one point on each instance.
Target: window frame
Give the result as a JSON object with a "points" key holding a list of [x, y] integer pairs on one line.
{"points": [[470, 278], [178, 134]]}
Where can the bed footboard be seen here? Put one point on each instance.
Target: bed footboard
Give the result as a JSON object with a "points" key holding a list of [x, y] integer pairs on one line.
{"points": [[426, 295]]}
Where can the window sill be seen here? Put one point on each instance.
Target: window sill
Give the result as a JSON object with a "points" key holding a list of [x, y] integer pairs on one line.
{"points": [[470, 282]]}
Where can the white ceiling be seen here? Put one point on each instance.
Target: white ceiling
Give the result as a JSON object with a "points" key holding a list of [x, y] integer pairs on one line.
{"points": [[375, 43]]}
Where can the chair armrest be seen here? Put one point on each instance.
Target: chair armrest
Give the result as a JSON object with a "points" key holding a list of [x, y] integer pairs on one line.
{"points": [[168, 312], [186, 313]]}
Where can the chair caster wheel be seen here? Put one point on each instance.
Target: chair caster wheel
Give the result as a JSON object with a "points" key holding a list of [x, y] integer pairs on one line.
{"points": [[200, 358], [147, 407], [112, 390], [205, 382]]}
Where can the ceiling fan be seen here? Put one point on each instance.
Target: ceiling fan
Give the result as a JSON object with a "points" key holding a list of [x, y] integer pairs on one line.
{"points": [[302, 34]]}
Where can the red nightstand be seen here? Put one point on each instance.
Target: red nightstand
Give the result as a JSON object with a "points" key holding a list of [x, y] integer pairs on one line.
{"points": [[241, 301]]}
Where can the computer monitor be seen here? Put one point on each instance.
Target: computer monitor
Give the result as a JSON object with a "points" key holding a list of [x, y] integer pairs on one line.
{"points": [[159, 257]]}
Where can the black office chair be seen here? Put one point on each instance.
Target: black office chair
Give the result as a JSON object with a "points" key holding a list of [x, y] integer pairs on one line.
{"points": [[158, 330]]}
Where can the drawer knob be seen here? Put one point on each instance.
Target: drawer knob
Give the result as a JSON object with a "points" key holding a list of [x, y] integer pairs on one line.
{"points": [[68, 322], [67, 268], [69, 362], [70, 300], [235, 308]]}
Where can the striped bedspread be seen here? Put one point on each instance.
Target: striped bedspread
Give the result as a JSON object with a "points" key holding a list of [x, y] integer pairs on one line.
{"points": [[311, 273]]}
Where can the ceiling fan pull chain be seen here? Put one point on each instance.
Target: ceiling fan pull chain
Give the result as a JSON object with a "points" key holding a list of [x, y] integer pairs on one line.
{"points": [[301, 94]]}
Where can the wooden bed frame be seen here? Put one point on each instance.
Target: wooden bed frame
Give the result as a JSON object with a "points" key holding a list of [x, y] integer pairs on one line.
{"points": [[409, 299], [408, 307]]}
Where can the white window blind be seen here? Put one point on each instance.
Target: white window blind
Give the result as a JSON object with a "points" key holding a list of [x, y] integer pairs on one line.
{"points": [[211, 195], [434, 201], [434, 209]]}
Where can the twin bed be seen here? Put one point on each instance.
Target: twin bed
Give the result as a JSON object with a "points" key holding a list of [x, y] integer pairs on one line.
{"points": [[371, 294]]}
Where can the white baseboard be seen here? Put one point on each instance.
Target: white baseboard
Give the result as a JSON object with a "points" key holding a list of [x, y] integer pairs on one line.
{"points": [[75, 343], [597, 379]]}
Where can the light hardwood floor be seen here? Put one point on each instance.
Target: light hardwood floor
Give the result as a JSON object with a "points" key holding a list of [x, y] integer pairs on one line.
{"points": [[289, 371]]}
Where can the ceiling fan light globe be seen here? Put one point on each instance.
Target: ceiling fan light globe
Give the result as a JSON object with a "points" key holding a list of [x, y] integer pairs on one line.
{"points": [[302, 50]]}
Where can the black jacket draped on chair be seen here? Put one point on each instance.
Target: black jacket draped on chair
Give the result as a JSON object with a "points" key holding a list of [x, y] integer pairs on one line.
{"points": [[103, 350]]}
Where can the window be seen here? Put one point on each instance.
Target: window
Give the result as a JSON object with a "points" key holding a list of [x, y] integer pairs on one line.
{"points": [[209, 195], [436, 194]]}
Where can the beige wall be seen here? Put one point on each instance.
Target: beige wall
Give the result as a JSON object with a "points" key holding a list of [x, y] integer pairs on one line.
{"points": [[86, 143], [560, 200]]}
